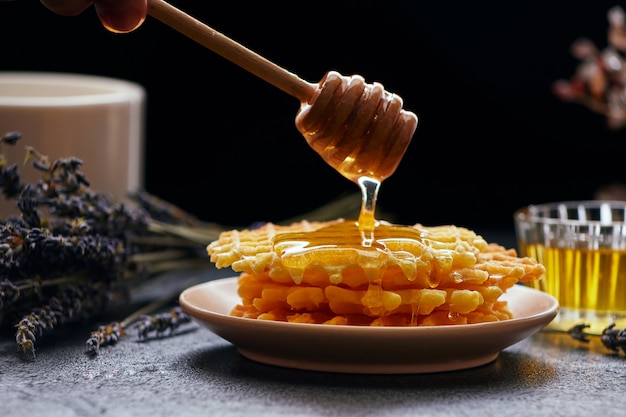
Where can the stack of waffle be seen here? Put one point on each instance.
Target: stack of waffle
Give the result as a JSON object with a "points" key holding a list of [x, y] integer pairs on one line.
{"points": [[438, 276]]}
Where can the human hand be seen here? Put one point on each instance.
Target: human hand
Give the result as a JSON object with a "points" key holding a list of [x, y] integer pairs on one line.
{"points": [[120, 16]]}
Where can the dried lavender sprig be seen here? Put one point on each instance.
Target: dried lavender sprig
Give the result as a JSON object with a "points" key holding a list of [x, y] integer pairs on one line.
{"points": [[578, 332], [28, 251], [158, 324], [611, 338], [614, 339], [108, 335], [70, 304]]}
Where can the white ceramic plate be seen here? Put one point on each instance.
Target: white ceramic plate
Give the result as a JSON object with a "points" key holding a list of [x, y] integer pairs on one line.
{"points": [[373, 350]]}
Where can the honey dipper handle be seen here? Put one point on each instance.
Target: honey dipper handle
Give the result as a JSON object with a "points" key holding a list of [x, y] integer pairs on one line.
{"points": [[231, 50]]}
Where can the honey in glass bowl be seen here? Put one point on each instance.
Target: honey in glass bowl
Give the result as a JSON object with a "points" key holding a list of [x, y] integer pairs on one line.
{"points": [[582, 245]]}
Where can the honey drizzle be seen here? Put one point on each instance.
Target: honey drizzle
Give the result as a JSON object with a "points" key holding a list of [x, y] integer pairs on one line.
{"points": [[362, 132], [367, 219], [365, 242]]}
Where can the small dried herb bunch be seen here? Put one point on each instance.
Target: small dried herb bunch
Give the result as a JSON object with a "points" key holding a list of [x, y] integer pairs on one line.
{"points": [[599, 82], [613, 339], [72, 253], [148, 326]]}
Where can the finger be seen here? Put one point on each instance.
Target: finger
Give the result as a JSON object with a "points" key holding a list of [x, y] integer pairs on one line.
{"points": [[121, 16], [67, 7]]}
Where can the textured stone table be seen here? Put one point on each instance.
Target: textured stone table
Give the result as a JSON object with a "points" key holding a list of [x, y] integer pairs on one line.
{"points": [[197, 373]]}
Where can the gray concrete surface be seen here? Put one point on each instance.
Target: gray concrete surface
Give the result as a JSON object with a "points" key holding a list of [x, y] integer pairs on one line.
{"points": [[196, 373]]}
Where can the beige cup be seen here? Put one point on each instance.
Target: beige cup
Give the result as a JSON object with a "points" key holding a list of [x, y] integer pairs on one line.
{"points": [[97, 119]]}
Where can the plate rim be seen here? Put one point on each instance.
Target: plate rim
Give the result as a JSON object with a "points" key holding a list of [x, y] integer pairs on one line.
{"points": [[517, 288], [233, 329]]}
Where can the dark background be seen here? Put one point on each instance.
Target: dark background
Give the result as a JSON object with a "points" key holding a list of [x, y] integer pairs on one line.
{"points": [[222, 144]]}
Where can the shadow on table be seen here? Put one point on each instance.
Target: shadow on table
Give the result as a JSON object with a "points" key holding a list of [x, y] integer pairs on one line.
{"points": [[511, 370]]}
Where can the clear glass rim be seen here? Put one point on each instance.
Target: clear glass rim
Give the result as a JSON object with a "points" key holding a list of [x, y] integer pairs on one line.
{"points": [[557, 213]]}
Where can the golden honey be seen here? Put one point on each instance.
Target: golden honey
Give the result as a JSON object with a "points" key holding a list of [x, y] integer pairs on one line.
{"points": [[341, 244], [582, 279], [582, 245]]}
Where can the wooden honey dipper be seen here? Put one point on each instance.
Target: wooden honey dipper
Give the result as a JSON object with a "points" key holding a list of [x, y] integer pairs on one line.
{"points": [[359, 129]]}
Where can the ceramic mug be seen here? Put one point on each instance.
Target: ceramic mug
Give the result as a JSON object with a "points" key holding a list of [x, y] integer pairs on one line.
{"points": [[98, 120]]}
